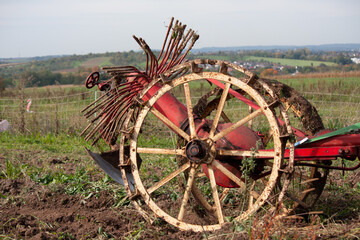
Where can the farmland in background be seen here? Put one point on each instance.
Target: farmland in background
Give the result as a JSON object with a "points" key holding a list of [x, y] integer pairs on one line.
{"points": [[72, 69], [289, 62]]}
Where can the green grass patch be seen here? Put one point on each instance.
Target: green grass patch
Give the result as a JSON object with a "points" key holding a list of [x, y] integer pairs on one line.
{"points": [[33, 157], [106, 62], [289, 62], [344, 85], [77, 64], [62, 143], [96, 61]]}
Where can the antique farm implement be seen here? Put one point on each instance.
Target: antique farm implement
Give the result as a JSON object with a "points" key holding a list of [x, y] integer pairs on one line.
{"points": [[199, 143]]}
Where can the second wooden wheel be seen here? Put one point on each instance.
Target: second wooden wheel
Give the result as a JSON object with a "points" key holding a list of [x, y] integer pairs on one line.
{"points": [[307, 183]]}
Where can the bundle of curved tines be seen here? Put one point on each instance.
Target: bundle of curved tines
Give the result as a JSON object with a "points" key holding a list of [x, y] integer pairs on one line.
{"points": [[108, 113], [172, 52]]}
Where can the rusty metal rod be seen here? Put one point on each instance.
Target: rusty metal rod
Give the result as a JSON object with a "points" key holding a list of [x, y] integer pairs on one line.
{"points": [[166, 37]]}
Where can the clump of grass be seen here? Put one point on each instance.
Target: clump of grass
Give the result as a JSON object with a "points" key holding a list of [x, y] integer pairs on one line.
{"points": [[13, 170], [50, 143], [80, 183]]}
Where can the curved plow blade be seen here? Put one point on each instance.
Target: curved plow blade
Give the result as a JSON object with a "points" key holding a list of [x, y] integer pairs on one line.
{"points": [[107, 161]]}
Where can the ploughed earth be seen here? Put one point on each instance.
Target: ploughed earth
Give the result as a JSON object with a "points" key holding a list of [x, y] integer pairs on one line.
{"points": [[31, 209]]}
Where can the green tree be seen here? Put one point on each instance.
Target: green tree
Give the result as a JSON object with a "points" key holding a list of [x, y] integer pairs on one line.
{"points": [[341, 59], [2, 85]]}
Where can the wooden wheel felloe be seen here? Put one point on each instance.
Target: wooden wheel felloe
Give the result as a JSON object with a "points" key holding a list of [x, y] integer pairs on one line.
{"points": [[208, 154]]}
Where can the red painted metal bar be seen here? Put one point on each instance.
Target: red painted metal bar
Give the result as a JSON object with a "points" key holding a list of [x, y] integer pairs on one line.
{"points": [[168, 105], [324, 153], [315, 153]]}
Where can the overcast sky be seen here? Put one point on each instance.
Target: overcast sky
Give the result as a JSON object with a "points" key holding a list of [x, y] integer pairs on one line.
{"points": [[50, 27]]}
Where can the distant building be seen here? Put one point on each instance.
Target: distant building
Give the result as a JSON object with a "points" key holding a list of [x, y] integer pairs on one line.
{"points": [[356, 60]]}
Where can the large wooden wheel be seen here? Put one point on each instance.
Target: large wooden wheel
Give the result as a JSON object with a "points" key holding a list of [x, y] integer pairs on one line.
{"points": [[202, 204], [306, 183]]}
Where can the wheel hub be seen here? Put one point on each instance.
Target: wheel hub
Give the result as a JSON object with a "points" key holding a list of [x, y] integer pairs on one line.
{"points": [[198, 151]]}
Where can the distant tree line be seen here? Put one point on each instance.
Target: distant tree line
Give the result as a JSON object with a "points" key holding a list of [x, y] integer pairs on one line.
{"points": [[42, 78], [45, 78], [131, 58], [300, 54], [44, 70]]}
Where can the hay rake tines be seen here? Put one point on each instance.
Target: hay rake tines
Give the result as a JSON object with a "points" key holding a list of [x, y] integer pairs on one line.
{"points": [[198, 165]]}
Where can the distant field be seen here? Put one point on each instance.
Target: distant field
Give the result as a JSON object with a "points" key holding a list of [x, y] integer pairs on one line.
{"points": [[97, 61], [92, 62], [11, 64], [289, 62]]}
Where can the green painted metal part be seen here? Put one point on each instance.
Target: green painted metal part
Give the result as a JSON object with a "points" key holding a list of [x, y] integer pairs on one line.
{"points": [[342, 131]]}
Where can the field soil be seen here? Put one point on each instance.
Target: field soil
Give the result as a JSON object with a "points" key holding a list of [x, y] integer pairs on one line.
{"points": [[30, 210]]}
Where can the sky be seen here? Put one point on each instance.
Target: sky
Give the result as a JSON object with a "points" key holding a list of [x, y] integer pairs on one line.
{"points": [[30, 28]]}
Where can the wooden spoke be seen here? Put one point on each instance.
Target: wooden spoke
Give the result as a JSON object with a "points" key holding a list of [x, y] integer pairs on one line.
{"points": [[224, 194], [250, 124], [189, 110], [161, 151], [263, 181], [295, 199], [246, 153], [251, 197], [219, 110], [301, 175], [225, 117], [185, 199], [170, 124], [308, 190], [201, 199], [229, 174], [237, 124], [215, 194], [254, 194], [168, 178], [268, 137], [310, 180], [234, 178], [200, 175]]}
